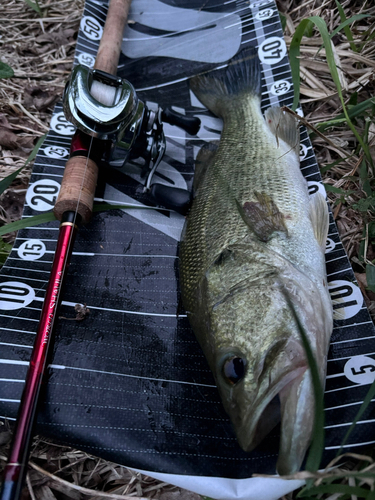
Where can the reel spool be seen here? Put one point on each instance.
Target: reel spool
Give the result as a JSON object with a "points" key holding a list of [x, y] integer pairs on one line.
{"points": [[107, 108]]}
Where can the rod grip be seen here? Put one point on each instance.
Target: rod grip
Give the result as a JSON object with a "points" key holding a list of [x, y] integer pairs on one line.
{"points": [[110, 44], [77, 188]]}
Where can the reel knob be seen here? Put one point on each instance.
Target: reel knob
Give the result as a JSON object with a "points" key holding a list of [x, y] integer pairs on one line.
{"points": [[191, 124], [173, 198]]}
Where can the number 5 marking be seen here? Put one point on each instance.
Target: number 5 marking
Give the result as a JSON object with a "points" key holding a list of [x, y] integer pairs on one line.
{"points": [[360, 370]]}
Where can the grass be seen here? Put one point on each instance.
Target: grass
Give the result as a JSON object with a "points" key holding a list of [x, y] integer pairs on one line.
{"points": [[334, 80], [349, 180]]}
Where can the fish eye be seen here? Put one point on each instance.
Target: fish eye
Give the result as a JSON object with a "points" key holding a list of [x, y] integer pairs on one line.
{"points": [[234, 369]]}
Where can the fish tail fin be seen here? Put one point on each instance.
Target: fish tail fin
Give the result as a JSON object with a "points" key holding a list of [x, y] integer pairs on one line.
{"points": [[241, 78], [284, 126]]}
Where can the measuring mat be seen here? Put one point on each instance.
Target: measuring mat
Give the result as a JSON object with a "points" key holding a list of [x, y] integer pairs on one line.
{"points": [[129, 382]]}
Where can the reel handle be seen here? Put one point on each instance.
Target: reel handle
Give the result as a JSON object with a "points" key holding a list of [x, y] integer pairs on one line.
{"points": [[81, 173], [190, 124], [170, 197]]}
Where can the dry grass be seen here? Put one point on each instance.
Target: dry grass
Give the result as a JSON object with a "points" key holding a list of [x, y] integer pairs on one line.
{"points": [[61, 473], [40, 50], [321, 103]]}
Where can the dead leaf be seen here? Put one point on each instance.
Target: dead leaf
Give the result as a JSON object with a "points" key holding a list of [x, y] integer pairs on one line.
{"points": [[81, 312], [361, 278], [58, 38], [5, 433], [26, 143], [40, 98], [8, 139], [27, 50], [42, 103], [45, 493], [12, 202], [4, 122], [180, 495]]}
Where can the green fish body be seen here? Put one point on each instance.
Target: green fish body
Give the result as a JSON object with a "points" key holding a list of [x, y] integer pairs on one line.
{"points": [[253, 236]]}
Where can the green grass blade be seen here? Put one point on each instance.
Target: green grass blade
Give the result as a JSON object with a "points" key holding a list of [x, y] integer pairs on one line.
{"points": [[28, 222], [102, 207], [294, 55], [6, 71], [369, 396], [329, 166], [5, 249], [34, 6], [33, 153], [345, 25], [346, 22], [7, 181], [315, 453], [49, 216], [345, 489], [334, 189], [353, 112]]}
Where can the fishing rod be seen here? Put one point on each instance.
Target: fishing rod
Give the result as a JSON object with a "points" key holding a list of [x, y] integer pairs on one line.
{"points": [[73, 206], [113, 126]]}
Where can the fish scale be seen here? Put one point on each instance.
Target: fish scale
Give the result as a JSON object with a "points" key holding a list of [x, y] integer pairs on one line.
{"points": [[253, 238]]}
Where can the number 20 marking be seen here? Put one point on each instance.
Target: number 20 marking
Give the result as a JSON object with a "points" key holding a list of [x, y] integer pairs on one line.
{"points": [[42, 195]]}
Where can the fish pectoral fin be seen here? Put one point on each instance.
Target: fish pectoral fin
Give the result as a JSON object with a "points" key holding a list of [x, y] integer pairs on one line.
{"points": [[284, 126], [262, 216], [319, 216], [297, 421]]}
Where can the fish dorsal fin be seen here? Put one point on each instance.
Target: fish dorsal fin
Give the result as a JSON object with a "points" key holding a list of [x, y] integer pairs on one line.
{"points": [[263, 216], [319, 216], [284, 126], [217, 89]]}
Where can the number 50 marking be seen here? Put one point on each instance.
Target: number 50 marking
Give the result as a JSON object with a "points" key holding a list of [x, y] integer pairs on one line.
{"points": [[91, 28]]}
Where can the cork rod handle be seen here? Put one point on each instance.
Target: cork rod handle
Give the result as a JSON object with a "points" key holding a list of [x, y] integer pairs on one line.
{"points": [[110, 45], [81, 174]]}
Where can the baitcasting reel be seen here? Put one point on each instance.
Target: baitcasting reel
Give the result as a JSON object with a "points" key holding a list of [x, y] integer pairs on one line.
{"points": [[107, 107]]}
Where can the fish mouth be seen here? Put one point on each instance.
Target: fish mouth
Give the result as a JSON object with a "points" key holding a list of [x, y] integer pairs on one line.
{"points": [[266, 412]]}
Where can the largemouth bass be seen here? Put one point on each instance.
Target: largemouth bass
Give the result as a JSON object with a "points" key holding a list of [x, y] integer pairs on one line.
{"points": [[254, 237]]}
